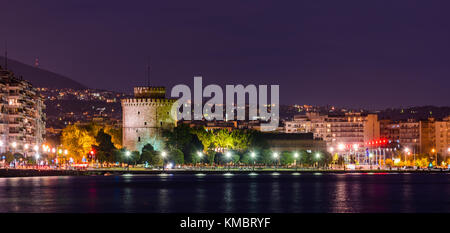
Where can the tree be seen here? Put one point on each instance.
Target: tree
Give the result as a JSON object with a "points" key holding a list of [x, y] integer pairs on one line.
{"points": [[246, 158], [179, 137], [116, 135], [266, 157], [77, 140], [177, 156], [105, 149], [210, 155], [9, 157], [286, 158]]}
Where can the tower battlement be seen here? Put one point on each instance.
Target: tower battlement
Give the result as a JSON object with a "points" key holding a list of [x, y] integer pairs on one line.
{"points": [[150, 92], [145, 117]]}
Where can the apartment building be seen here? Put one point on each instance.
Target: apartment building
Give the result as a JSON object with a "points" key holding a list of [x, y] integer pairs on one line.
{"points": [[350, 128], [22, 121]]}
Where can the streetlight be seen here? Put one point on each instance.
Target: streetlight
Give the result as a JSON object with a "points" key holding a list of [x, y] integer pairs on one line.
{"points": [[433, 151], [36, 148], [317, 157], [228, 157], [275, 157], [406, 152], [200, 155], [163, 155], [253, 156], [295, 159], [355, 150], [127, 154], [37, 158]]}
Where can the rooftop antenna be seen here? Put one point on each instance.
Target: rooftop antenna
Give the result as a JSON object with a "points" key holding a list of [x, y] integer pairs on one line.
{"points": [[148, 72], [6, 55]]}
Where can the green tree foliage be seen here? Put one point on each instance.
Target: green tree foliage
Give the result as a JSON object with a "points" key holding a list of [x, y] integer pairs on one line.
{"points": [[9, 157], [286, 158], [79, 139], [211, 155], [265, 157], [105, 147], [177, 156]]}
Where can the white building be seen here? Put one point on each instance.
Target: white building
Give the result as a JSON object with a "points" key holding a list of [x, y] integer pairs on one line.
{"points": [[349, 129], [145, 117], [22, 121]]}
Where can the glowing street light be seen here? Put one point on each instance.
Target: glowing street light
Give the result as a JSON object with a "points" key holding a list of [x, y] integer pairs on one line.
{"points": [[163, 154], [295, 155], [128, 153], [14, 144], [26, 146], [331, 149], [253, 155], [36, 148], [200, 154], [355, 146], [275, 155], [228, 155], [1, 143], [317, 155], [66, 152], [341, 147], [406, 149]]}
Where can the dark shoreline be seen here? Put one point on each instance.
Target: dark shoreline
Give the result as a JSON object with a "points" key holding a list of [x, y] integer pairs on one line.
{"points": [[36, 173]]}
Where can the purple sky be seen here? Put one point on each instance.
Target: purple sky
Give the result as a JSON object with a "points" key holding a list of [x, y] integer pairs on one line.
{"points": [[357, 53]]}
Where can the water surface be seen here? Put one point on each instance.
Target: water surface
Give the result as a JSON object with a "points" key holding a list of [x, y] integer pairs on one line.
{"points": [[263, 193]]}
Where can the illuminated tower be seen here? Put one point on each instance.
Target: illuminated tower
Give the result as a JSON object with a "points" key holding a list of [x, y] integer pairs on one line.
{"points": [[145, 117]]}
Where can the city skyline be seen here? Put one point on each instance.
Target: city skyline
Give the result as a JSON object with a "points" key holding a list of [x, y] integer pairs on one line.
{"points": [[331, 52]]}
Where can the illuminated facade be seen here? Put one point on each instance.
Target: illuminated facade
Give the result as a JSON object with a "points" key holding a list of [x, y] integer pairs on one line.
{"points": [[351, 128], [22, 121], [145, 116]]}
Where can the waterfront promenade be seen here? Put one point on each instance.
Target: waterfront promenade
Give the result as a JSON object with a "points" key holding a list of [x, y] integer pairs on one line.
{"points": [[121, 171]]}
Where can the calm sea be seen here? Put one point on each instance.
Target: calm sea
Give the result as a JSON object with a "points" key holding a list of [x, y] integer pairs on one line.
{"points": [[263, 193]]}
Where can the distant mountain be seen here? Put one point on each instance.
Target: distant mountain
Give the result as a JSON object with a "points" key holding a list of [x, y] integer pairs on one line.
{"points": [[39, 77]]}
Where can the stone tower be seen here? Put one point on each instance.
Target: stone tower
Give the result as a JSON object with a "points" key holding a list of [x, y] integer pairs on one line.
{"points": [[145, 117]]}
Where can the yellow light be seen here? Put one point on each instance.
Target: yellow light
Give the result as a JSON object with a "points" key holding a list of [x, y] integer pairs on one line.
{"points": [[433, 150]]}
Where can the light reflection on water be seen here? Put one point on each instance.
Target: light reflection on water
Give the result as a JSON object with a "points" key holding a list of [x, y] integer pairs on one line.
{"points": [[228, 193]]}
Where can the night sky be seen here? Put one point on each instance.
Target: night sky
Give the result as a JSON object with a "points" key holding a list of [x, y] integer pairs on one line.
{"points": [[371, 54]]}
